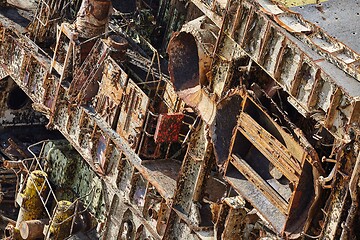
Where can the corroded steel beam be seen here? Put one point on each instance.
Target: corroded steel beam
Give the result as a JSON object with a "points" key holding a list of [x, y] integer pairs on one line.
{"points": [[291, 63]]}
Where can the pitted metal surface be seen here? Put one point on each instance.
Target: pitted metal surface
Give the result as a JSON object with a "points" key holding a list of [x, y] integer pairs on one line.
{"points": [[247, 129]]}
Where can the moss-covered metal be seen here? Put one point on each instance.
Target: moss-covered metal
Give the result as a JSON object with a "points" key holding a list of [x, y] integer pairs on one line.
{"points": [[60, 227], [74, 177], [31, 206]]}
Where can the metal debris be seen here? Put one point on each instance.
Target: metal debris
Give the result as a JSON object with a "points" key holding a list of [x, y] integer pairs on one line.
{"points": [[224, 119]]}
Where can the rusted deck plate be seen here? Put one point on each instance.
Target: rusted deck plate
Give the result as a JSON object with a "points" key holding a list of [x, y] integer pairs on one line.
{"points": [[257, 199], [164, 174], [341, 19], [13, 18]]}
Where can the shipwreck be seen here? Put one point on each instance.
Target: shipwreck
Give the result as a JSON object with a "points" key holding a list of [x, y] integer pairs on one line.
{"points": [[174, 119]]}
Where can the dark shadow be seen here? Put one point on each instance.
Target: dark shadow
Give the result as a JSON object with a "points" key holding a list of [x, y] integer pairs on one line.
{"points": [[14, 15]]}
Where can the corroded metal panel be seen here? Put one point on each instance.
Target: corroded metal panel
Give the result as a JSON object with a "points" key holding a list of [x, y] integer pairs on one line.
{"points": [[253, 134], [132, 114], [168, 127]]}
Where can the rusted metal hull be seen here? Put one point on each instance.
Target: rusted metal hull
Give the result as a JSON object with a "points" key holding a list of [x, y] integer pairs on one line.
{"points": [[253, 134]]}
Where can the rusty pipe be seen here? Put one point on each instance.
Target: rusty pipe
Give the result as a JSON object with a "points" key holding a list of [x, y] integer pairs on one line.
{"points": [[353, 185], [204, 34], [11, 232], [13, 164], [118, 45], [189, 64], [93, 18], [6, 219], [32, 229]]}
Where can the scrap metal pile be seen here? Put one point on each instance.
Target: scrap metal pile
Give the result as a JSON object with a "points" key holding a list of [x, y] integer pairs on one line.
{"points": [[172, 119]]}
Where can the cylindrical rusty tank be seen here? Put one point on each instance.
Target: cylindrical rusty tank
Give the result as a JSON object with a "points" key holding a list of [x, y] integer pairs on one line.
{"points": [[61, 224], [119, 45], [32, 229], [31, 207], [93, 17]]}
